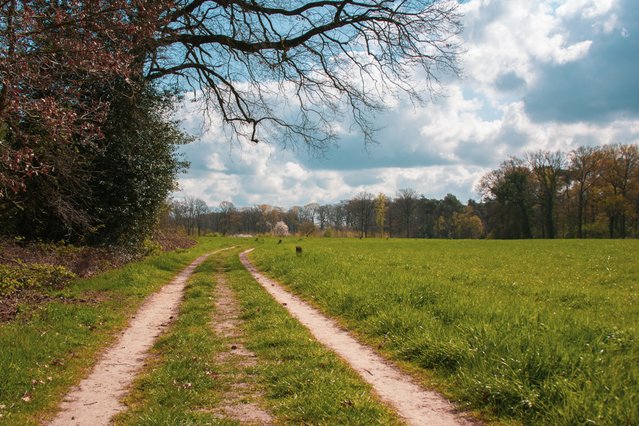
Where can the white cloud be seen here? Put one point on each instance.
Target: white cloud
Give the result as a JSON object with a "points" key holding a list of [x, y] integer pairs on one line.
{"points": [[587, 9], [516, 36]]}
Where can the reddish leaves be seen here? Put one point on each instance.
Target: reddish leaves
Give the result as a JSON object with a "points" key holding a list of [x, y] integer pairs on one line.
{"points": [[56, 63]]}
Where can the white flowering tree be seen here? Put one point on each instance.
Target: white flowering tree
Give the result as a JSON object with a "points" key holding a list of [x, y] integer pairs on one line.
{"points": [[280, 229]]}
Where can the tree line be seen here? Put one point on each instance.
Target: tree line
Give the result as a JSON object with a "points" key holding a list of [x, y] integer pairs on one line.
{"points": [[590, 192]]}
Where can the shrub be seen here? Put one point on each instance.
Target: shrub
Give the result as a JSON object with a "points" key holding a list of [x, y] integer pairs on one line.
{"points": [[37, 275]]}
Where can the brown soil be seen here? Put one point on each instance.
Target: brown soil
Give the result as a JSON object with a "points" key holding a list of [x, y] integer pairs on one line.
{"points": [[416, 405], [242, 399], [27, 301], [97, 398], [84, 261]]}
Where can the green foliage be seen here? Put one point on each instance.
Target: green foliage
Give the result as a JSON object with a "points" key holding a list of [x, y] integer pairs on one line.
{"points": [[108, 192], [32, 276], [136, 168], [151, 248], [543, 332]]}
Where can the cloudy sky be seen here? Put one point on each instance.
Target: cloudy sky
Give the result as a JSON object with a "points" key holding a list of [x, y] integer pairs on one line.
{"points": [[542, 74]]}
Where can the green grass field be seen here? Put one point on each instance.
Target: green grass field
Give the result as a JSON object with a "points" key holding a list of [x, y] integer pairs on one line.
{"points": [[543, 332]]}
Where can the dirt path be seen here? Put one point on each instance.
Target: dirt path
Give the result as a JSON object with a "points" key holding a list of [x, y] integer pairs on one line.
{"points": [[242, 400], [414, 404], [97, 398]]}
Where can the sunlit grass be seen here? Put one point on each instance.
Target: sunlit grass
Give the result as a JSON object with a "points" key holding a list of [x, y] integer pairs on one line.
{"points": [[537, 331], [181, 379], [304, 382]]}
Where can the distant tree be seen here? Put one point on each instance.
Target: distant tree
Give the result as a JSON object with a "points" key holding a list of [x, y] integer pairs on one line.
{"points": [[178, 213], [307, 216], [548, 170], [508, 192], [280, 229], [467, 224], [426, 213], [293, 218], [200, 210], [323, 216], [381, 209], [406, 202], [446, 209], [361, 208], [621, 174], [338, 215], [585, 171], [228, 217]]}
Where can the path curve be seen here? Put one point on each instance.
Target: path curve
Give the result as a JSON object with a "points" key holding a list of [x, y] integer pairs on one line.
{"points": [[97, 398], [413, 403]]}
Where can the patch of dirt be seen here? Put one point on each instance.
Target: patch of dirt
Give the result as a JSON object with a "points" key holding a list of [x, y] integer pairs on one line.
{"points": [[97, 398], [173, 239], [242, 399], [26, 301], [416, 405], [84, 261]]}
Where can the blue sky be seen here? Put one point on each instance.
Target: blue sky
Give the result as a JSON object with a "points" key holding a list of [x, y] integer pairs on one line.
{"points": [[543, 74]]}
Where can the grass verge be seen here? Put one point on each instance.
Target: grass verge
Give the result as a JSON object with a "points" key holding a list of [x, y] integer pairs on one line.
{"points": [[301, 382], [51, 346]]}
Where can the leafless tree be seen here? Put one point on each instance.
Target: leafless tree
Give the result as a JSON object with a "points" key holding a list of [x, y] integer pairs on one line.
{"points": [[407, 202], [362, 209], [293, 66], [323, 215], [200, 210], [228, 216], [549, 169], [585, 164]]}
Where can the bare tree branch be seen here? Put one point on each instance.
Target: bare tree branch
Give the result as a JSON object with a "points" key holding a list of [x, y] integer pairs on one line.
{"points": [[300, 66]]}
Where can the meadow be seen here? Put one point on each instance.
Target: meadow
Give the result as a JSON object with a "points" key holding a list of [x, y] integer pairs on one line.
{"points": [[537, 331]]}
